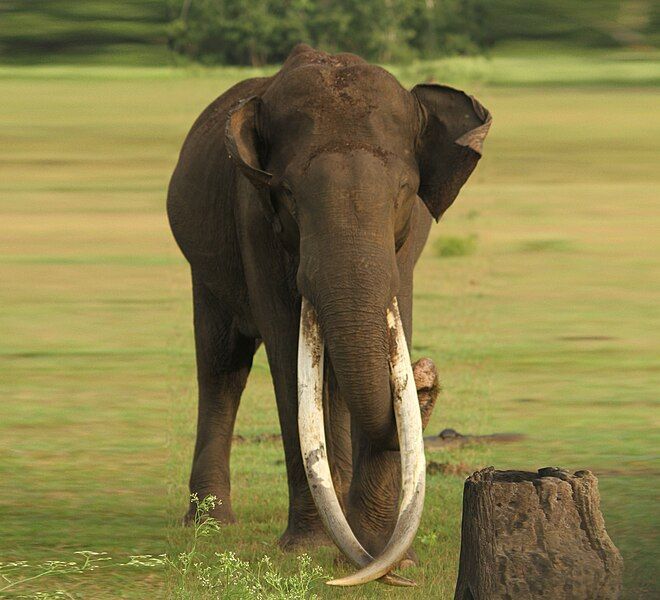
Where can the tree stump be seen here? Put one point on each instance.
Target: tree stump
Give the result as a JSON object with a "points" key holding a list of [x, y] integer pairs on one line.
{"points": [[535, 535]]}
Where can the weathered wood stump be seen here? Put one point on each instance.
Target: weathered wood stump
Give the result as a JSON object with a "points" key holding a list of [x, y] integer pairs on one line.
{"points": [[535, 535]]}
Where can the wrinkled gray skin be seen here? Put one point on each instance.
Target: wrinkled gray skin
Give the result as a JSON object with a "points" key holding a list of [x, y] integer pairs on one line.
{"points": [[321, 180]]}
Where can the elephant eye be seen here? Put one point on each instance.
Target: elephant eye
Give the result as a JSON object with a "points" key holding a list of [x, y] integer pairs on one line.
{"points": [[285, 197], [403, 193]]}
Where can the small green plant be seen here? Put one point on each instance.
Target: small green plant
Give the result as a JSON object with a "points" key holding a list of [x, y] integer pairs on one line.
{"points": [[452, 246], [199, 573], [429, 539], [196, 572], [230, 577], [11, 572]]}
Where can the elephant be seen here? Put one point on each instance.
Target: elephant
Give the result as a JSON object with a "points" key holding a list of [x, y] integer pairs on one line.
{"points": [[302, 202]]}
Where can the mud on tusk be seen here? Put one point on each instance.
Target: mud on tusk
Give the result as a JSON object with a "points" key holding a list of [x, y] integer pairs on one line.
{"points": [[413, 464], [313, 445]]}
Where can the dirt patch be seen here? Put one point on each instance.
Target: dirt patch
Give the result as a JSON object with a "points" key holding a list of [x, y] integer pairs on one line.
{"points": [[446, 468], [346, 146], [256, 439], [344, 78], [318, 57], [631, 471], [450, 438]]}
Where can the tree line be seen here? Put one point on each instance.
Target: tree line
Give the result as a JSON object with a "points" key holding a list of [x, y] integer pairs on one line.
{"points": [[258, 32]]}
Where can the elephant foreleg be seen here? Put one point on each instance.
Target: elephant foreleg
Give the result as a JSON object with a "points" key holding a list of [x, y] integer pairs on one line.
{"points": [[304, 527], [224, 358]]}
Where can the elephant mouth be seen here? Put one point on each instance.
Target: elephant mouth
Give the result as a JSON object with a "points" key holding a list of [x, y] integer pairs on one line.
{"points": [[315, 458]]}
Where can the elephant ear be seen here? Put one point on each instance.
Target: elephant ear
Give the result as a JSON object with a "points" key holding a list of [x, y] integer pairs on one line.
{"points": [[244, 146], [243, 143], [450, 143]]}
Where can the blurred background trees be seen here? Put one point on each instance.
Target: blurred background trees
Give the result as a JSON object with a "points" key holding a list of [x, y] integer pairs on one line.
{"points": [[257, 32]]}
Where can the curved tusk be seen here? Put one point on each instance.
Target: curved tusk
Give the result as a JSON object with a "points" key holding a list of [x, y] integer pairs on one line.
{"points": [[313, 445], [413, 464]]}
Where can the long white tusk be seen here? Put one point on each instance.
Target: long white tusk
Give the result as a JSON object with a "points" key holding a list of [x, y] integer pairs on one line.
{"points": [[313, 445], [413, 464]]}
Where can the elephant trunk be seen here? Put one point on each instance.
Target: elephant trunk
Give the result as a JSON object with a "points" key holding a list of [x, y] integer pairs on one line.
{"points": [[357, 320], [356, 340], [350, 282]]}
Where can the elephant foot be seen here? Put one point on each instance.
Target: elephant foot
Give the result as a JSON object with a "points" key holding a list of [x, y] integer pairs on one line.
{"points": [[294, 539], [409, 560], [428, 386], [221, 512]]}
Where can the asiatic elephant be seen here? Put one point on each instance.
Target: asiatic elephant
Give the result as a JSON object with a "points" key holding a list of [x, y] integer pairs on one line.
{"points": [[302, 202]]}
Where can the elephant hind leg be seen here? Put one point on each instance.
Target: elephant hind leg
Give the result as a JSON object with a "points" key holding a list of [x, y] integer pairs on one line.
{"points": [[224, 358]]}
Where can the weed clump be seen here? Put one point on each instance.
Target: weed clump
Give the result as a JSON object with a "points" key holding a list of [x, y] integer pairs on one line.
{"points": [[196, 573], [453, 246], [199, 573]]}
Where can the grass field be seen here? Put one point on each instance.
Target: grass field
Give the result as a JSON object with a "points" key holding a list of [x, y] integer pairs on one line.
{"points": [[548, 327]]}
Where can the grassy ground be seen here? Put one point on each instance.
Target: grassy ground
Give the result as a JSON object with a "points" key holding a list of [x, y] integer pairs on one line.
{"points": [[516, 65], [548, 327]]}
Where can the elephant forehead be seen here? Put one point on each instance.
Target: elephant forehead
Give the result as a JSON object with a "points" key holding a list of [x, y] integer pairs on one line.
{"points": [[331, 98]]}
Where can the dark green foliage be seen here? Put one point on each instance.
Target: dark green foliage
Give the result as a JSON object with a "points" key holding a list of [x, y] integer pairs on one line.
{"points": [[446, 27], [257, 32], [264, 31], [652, 27], [239, 31], [78, 30], [594, 23]]}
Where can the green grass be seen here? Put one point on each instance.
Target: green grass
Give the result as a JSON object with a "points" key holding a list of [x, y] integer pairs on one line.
{"points": [[548, 329]]}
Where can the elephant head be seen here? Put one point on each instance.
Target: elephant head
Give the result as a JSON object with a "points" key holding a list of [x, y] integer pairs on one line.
{"points": [[340, 154]]}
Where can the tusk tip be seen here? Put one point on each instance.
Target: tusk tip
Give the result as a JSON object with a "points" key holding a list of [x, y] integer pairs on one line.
{"points": [[388, 579]]}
